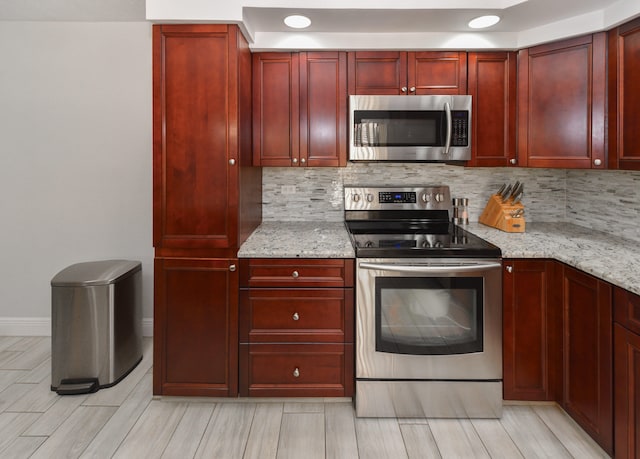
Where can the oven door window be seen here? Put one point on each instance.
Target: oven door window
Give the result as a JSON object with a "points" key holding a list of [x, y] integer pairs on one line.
{"points": [[429, 315]]}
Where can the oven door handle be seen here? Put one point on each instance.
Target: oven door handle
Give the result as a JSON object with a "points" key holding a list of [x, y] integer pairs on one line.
{"points": [[434, 269]]}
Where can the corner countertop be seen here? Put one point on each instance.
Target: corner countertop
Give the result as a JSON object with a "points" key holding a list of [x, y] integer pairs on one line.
{"points": [[611, 258]]}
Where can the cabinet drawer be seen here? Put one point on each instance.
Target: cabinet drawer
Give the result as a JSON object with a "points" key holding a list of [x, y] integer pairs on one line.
{"points": [[306, 370], [296, 315], [292, 272], [627, 309]]}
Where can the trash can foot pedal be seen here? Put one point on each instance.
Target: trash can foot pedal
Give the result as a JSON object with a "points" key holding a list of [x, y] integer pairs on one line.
{"points": [[78, 386]]}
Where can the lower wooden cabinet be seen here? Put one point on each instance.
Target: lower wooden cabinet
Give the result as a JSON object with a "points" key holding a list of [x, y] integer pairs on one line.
{"points": [[296, 328], [626, 362], [587, 352], [195, 327], [532, 324]]}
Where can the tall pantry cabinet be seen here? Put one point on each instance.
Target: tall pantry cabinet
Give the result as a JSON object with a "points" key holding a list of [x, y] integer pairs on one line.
{"points": [[206, 201]]}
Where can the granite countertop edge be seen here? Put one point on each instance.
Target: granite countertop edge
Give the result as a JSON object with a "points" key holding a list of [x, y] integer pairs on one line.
{"points": [[605, 256]]}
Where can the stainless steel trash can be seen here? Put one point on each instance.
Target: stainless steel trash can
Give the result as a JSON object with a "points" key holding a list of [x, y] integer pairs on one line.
{"points": [[96, 325]]}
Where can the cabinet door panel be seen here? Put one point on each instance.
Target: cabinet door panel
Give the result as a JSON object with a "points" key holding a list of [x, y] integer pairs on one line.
{"points": [[627, 393], [562, 104], [532, 323], [194, 205], [377, 72], [323, 109], [433, 72], [492, 85], [275, 109], [587, 354], [195, 327]]}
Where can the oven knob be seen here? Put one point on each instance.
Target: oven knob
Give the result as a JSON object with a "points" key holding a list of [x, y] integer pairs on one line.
{"points": [[425, 244], [356, 197], [369, 244], [426, 197], [437, 244], [439, 197], [369, 197]]}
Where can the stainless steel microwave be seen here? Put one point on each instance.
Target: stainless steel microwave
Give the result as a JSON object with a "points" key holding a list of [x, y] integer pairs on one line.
{"points": [[410, 128]]}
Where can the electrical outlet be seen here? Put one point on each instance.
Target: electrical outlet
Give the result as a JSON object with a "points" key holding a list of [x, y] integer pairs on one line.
{"points": [[288, 189]]}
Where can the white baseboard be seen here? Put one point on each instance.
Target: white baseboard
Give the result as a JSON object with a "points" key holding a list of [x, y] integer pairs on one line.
{"points": [[41, 326]]}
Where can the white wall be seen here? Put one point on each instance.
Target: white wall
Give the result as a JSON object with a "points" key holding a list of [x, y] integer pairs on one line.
{"points": [[76, 157]]}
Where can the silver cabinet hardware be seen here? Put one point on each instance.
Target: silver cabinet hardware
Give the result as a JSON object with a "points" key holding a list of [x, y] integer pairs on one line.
{"points": [[412, 89], [232, 162], [296, 373], [403, 89], [597, 162], [295, 274], [509, 269], [295, 160], [303, 160], [513, 161], [232, 268], [296, 316]]}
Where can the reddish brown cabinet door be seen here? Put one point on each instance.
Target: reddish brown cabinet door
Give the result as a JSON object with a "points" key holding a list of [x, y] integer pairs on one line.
{"points": [[195, 327], [624, 96], [400, 72], [587, 350], [300, 109], [561, 103], [492, 85], [195, 140], [532, 322], [626, 360]]}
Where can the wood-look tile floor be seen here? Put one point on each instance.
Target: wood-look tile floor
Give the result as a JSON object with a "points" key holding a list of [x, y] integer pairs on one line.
{"points": [[125, 421]]}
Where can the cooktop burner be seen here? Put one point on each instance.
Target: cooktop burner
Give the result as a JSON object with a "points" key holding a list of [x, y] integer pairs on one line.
{"points": [[387, 222]]}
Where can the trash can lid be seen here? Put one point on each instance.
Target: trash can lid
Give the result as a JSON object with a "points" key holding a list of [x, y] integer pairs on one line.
{"points": [[94, 273]]}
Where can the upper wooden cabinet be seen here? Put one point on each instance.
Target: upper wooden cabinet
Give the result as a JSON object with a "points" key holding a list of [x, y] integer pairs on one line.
{"points": [[201, 108], [561, 104], [399, 72], [492, 84], [624, 96], [300, 109]]}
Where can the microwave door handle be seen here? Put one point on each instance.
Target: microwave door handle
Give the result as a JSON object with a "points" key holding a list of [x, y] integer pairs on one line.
{"points": [[431, 269], [447, 142]]}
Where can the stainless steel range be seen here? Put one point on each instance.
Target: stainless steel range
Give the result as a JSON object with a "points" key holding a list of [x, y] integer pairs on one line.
{"points": [[428, 307]]}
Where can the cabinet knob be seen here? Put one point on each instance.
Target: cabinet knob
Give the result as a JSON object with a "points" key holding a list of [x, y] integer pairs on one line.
{"points": [[295, 274], [295, 160], [232, 162], [296, 373], [509, 269], [597, 162], [232, 268], [302, 160], [403, 89], [296, 316], [513, 161], [412, 89]]}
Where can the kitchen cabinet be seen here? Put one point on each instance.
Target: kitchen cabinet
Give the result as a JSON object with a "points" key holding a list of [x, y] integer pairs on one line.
{"points": [[206, 201], [562, 103], [492, 84], [300, 109], [587, 353], [624, 96], [626, 361], [196, 341], [532, 327], [400, 72], [296, 327]]}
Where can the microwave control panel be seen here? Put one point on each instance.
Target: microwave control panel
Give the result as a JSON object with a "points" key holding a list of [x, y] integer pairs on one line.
{"points": [[459, 129]]}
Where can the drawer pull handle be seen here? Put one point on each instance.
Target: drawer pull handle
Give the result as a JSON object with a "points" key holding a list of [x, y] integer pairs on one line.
{"points": [[296, 316], [296, 373], [295, 274]]}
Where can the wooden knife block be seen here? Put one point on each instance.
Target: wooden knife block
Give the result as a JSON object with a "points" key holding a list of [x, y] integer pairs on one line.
{"points": [[498, 214]]}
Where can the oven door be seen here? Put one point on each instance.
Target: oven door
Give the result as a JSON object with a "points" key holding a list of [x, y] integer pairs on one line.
{"points": [[430, 319]]}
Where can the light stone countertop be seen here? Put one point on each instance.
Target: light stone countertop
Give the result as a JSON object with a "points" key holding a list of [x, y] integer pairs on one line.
{"points": [[298, 240], [610, 258]]}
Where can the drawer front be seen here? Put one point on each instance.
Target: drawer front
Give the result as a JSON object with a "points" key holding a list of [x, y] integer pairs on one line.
{"points": [[277, 272], [296, 315], [627, 309], [308, 370]]}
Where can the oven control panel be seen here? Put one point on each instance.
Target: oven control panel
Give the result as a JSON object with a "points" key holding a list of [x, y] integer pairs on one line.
{"points": [[436, 197]]}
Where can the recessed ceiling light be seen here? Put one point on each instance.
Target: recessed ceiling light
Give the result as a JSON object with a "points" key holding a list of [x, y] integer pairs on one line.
{"points": [[297, 21], [484, 21]]}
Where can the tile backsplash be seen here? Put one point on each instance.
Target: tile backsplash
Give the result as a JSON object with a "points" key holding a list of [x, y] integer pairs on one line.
{"points": [[604, 200]]}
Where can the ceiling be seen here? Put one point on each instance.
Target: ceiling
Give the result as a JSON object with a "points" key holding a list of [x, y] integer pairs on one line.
{"points": [[354, 24]]}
